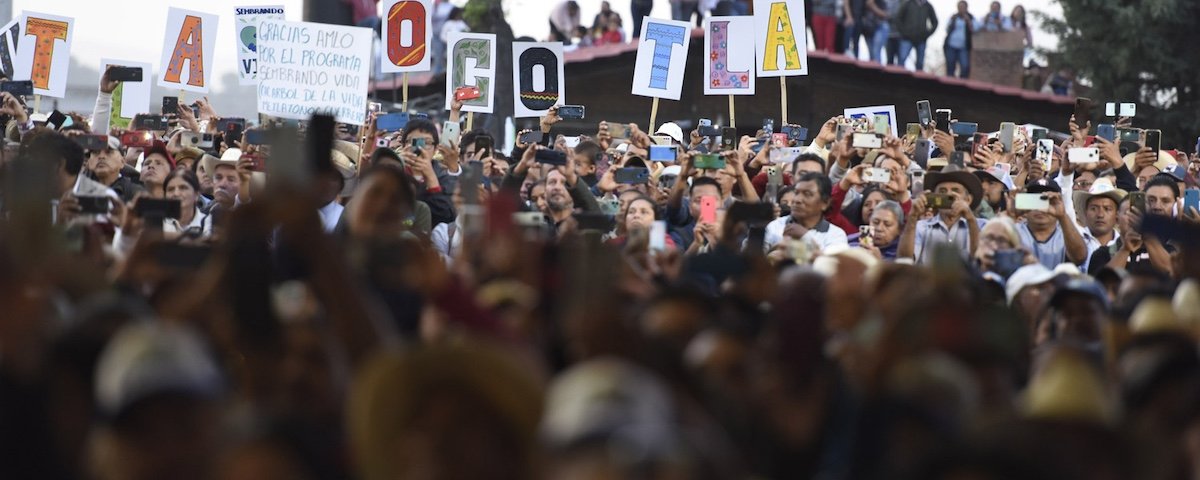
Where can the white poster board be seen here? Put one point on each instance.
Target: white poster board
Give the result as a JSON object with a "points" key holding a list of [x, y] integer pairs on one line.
{"points": [[245, 30], [729, 56], [661, 58], [187, 52], [538, 79], [869, 114], [304, 68], [407, 35], [44, 52], [781, 38], [10, 37], [472, 62]]}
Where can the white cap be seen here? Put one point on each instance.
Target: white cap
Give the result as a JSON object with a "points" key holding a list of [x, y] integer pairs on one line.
{"points": [[672, 130], [148, 358], [1024, 277]]}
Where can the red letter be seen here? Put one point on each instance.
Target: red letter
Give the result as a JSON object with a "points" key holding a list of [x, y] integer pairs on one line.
{"points": [[189, 47], [406, 55], [46, 31]]}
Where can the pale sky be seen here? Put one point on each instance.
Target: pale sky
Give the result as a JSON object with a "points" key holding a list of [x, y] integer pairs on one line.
{"points": [[133, 29]]}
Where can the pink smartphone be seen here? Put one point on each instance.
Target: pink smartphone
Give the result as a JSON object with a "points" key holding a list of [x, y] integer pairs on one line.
{"points": [[708, 209]]}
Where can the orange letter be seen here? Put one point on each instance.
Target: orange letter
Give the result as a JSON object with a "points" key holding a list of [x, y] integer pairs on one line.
{"points": [[46, 31], [189, 47], [406, 55]]}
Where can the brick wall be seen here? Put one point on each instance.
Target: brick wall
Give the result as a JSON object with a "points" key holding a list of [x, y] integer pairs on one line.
{"points": [[996, 57]]}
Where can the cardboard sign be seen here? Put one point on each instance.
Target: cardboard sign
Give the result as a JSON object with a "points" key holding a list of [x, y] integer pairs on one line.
{"points": [[245, 29], [44, 52], [130, 98], [188, 50], [781, 38], [867, 114], [313, 67], [10, 37], [661, 58], [729, 60], [472, 62], [407, 34], [538, 79]]}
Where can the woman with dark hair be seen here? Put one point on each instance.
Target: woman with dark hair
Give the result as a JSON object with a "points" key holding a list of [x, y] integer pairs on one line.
{"points": [[183, 185], [640, 215], [859, 212]]}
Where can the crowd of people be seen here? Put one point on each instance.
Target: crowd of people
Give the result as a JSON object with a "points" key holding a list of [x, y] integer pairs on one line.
{"points": [[201, 297]]}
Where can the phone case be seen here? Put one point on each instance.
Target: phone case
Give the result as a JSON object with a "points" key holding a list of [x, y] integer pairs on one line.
{"points": [[708, 209]]}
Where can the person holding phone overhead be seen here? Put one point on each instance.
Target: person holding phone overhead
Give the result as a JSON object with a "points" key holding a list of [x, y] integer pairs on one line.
{"points": [[1051, 235], [955, 222]]}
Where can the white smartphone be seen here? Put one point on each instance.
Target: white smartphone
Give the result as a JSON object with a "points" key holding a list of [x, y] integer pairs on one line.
{"points": [[1083, 155], [1112, 109], [658, 236], [784, 154], [1045, 152], [918, 182], [877, 175], [1007, 129], [866, 140], [450, 133], [570, 142], [1031, 201], [660, 139]]}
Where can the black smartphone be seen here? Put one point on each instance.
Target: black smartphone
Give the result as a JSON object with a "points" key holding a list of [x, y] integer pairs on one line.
{"points": [[125, 74], [170, 105], [941, 120], [570, 112], [631, 176], [157, 207], [17, 87], [924, 113], [729, 137], [56, 120], [1154, 140], [93, 205], [795, 133], [768, 126], [707, 131], [1083, 112], [150, 122], [485, 144], [1137, 200], [550, 157], [232, 129], [921, 152], [92, 143], [532, 136]]}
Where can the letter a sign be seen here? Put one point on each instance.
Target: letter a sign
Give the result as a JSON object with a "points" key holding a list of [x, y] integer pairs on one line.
{"points": [[407, 35], [187, 53], [782, 40]]}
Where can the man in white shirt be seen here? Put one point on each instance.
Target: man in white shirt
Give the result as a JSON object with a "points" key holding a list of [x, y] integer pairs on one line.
{"points": [[813, 192], [1099, 208]]}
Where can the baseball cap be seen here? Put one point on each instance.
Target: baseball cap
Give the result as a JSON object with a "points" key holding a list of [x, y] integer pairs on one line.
{"points": [[996, 173], [670, 129], [1080, 285], [149, 358], [1042, 185], [1026, 276]]}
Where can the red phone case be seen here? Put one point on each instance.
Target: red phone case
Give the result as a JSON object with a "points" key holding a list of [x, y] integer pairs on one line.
{"points": [[467, 93], [708, 209]]}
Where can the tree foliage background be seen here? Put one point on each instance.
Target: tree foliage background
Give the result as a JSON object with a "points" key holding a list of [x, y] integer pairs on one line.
{"points": [[1146, 51]]}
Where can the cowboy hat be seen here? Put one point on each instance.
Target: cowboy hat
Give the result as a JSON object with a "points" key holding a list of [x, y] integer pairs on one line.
{"points": [[955, 174], [1103, 187], [230, 157]]}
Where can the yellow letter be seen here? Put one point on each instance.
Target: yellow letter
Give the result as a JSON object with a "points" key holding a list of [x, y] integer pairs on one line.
{"points": [[779, 35]]}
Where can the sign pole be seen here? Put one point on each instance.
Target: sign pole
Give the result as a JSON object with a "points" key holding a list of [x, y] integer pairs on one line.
{"points": [[732, 115], [783, 100], [404, 92], [470, 120], [653, 114]]}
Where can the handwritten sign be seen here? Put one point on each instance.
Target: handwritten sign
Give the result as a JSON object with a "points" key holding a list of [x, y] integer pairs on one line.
{"points": [[130, 98], [661, 58], [44, 52], [781, 38], [313, 67], [188, 50], [538, 78], [472, 62], [729, 60], [10, 36], [407, 34], [245, 26]]}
